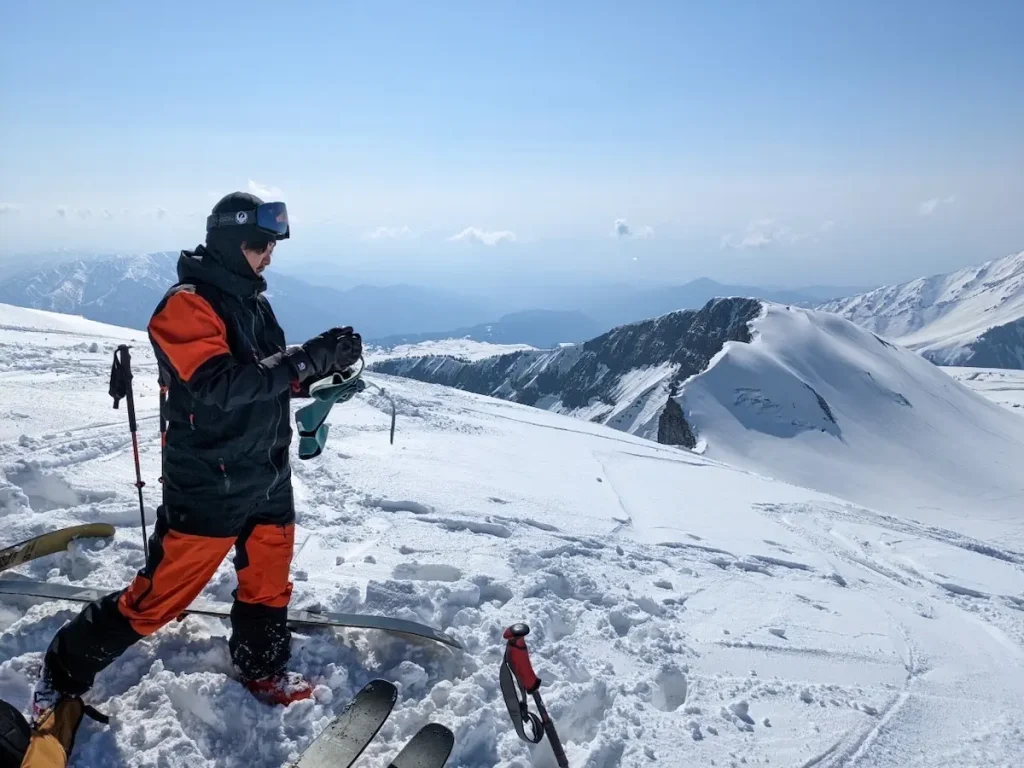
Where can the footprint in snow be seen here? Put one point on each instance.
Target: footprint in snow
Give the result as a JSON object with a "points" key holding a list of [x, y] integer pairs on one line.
{"points": [[426, 572], [670, 689], [400, 506], [528, 522], [473, 526]]}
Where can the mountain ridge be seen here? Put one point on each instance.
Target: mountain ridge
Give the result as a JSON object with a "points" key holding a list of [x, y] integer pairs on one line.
{"points": [[971, 317]]}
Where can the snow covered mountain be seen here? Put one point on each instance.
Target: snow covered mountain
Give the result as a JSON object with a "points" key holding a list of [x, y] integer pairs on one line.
{"points": [[622, 378], [797, 394], [973, 317], [683, 612], [123, 290]]}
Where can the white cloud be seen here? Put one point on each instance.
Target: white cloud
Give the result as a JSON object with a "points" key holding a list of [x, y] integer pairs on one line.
{"points": [[483, 237], [928, 207], [622, 230], [62, 211], [762, 233], [264, 192], [9, 208], [388, 233]]}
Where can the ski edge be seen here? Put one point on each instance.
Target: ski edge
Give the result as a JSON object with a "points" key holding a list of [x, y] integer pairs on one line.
{"points": [[50, 543]]}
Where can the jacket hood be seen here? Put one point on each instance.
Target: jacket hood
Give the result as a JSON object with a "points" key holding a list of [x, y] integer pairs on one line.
{"points": [[206, 265]]}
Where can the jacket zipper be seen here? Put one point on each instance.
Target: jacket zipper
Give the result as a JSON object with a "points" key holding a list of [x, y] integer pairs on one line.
{"points": [[224, 475]]}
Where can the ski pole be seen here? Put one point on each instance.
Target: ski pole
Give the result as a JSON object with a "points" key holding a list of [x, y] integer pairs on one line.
{"points": [[121, 387], [519, 679]]}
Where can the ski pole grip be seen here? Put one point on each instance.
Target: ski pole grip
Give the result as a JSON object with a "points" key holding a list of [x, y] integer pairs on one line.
{"points": [[518, 657]]}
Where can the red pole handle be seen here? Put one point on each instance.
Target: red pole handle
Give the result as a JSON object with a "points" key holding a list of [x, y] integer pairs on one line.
{"points": [[518, 657]]}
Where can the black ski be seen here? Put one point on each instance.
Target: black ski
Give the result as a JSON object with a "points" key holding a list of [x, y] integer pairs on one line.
{"points": [[344, 740], [429, 748], [296, 616]]}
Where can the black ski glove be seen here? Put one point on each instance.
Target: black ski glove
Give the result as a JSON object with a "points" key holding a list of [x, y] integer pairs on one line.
{"points": [[333, 350]]}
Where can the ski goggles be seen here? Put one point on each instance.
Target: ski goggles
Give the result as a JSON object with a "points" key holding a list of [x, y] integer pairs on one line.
{"points": [[270, 218]]}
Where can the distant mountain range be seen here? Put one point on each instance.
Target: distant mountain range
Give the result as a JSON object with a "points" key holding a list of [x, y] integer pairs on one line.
{"points": [[971, 317], [124, 289], [541, 328]]}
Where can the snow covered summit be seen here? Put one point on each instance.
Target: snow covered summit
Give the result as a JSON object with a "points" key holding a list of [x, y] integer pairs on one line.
{"points": [[972, 317]]}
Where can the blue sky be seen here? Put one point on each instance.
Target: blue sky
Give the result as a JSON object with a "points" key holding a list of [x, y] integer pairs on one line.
{"points": [[778, 141]]}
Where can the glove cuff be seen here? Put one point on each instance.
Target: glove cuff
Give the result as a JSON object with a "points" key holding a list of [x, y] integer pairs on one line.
{"points": [[300, 363]]}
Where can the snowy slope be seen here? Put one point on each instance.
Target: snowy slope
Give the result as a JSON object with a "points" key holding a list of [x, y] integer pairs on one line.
{"points": [[1002, 386], [971, 317], [818, 401], [24, 319], [684, 613]]}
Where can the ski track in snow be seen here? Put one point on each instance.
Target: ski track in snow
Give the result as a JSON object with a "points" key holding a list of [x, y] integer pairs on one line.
{"points": [[683, 612]]}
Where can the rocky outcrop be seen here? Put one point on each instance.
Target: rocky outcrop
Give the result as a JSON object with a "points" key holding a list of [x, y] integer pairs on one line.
{"points": [[673, 428], [999, 347]]}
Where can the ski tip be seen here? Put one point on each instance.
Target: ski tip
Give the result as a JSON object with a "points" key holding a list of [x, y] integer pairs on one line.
{"points": [[378, 687], [440, 732], [379, 683], [430, 747]]}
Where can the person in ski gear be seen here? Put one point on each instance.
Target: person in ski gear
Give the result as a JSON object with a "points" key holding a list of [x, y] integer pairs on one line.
{"points": [[228, 377]]}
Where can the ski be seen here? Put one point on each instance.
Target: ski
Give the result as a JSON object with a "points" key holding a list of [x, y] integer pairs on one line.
{"points": [[296, 617], [429, 748], [344, 740], [49, 543]]}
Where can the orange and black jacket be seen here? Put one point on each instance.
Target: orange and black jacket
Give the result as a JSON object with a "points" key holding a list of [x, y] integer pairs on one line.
{"points": [[223, 358]]}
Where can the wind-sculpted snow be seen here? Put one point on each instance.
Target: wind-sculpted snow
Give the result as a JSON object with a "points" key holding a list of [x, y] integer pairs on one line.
{"points": [[684, 612], [818, 401], [972, 317]]}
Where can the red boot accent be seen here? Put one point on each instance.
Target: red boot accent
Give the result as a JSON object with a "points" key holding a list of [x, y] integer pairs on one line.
{"points": [[282, 688]]}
